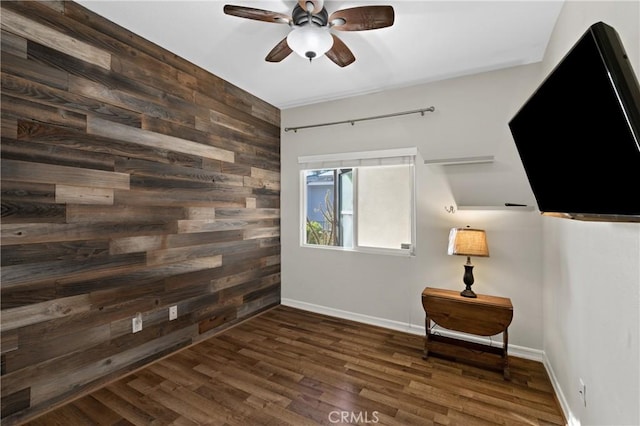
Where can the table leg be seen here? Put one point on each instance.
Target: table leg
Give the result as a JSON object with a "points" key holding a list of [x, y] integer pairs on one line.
{"points": [[426, 337], [505, 354]]}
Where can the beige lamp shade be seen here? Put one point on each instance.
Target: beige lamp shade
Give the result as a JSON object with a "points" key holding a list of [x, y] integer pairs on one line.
{"points": [[468, 242]]}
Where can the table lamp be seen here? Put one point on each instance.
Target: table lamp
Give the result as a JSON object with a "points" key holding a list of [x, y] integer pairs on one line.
{"points": [[468, 242]]}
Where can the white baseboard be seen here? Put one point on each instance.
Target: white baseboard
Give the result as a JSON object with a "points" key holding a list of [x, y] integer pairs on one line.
{"points": [[562, 400], [515, 350]]}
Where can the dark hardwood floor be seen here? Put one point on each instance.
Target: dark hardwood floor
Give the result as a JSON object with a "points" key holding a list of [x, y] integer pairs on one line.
{"points": [[294, 367]]}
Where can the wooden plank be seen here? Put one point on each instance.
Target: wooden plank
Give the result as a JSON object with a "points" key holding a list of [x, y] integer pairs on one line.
{"points": [[43, 349], [75, 251], [52, 153], [20, 66], [268, 201], [230, 122], [9, 341], [122, 214], [41, 93], [214, 197], [186, 226], [237, 279], [216, 320], [262, 233], [24, 27], [83, 195], [178, 254], [53, 232], [28, 212], [9, 128], [191, 239], [40, 312], [236, 169], [20, 108], [269, 242], [136, 244], [258, 160], [26, 295], [218, 105], [239, 142], [13, 44], [149, 102], [49, 173], [97, 126], [57, 5], [261, 183], [247, 214], [272, 260], [200, 213], [24, 192], [149, 70], [56, 137], [265, 174], [251, 203], [220, 137], [15, 401], [57, 271], [176, 172]]}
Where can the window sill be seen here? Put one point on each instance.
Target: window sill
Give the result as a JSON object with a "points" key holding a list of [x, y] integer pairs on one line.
{"points": [[367, 250]]}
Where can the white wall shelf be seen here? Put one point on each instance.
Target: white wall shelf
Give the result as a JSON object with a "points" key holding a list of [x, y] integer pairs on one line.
{"points": [[483, 159], [460, 160], [504, 208]]}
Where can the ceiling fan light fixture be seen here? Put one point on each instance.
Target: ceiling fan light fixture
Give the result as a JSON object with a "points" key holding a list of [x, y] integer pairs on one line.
{"points": [[310, 41]]}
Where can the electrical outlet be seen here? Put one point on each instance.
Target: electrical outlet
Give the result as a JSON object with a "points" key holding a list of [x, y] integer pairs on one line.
{"points": [[582, 391], [173, 312], [136, 323]]}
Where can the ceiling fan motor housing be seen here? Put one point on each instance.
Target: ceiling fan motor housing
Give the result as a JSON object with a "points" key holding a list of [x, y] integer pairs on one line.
{"points": [[302, 17]]}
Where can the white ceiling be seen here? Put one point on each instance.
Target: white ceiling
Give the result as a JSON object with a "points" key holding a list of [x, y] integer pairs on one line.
{"points": [[429, 41]]}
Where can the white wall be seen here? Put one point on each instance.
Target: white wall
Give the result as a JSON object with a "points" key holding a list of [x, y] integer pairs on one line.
{"points": [[470, 119], [592, 270]]}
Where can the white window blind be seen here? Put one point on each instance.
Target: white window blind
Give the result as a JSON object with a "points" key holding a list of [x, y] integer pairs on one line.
{"points": [[388, 157]]}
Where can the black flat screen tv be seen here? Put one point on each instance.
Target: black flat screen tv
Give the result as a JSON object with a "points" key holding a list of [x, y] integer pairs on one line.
{"points": [[578, 135]]}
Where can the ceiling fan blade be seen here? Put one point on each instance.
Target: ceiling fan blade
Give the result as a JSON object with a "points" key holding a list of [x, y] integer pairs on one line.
{"points": [[278, 53], [362, 18], [256, 14], [340, 53], [317, 5]]}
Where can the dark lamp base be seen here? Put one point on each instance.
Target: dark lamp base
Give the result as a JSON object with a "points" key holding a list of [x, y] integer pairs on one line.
{"points": [[467, 292], [468, 279]]}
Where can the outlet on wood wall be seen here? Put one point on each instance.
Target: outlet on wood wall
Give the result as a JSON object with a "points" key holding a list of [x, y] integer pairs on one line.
{"points": [[132, 181]]}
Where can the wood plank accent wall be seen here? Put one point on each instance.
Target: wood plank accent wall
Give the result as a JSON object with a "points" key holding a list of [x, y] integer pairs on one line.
{"points": [[132, 180]]}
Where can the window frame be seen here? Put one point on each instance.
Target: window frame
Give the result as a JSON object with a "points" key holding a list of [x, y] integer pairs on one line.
{"points": [[351, 160]]}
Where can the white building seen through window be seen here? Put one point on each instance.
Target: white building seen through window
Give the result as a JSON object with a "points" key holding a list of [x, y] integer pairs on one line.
{"points": [[359, 201]]}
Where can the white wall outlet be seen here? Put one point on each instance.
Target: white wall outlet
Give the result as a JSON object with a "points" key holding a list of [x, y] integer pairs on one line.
{"points": [[173, 312], [136, 323], [582, 391]]}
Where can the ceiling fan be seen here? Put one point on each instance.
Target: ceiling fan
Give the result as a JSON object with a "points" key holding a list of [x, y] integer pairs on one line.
{"points": [[310, 35]]}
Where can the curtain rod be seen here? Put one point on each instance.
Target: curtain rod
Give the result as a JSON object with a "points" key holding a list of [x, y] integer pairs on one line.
{"points": [[352, 122]]}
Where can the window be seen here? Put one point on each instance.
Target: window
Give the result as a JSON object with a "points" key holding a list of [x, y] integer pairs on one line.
{"points": [[359, 201]]}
